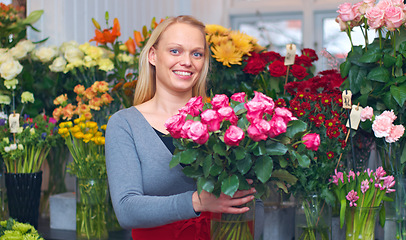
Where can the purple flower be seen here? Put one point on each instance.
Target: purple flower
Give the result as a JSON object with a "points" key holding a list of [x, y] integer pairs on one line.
{"points": [[3, 121], [43, 136], [352, 197]]}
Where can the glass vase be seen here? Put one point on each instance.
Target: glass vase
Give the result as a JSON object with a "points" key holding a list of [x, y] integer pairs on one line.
{"points": [[23, 195], [312, 218], [91, 208], [360, 222], [395, 223], [234, 226]]}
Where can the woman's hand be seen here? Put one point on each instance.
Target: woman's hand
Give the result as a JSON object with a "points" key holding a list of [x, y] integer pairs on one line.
{"points": [[207, 202]]}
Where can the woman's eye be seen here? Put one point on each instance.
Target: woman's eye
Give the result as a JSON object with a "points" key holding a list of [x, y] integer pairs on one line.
{"points": [[197, 54], [175, 51]]}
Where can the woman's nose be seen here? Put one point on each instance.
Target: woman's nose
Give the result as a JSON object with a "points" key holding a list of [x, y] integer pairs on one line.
{"points": [[186, 60]]}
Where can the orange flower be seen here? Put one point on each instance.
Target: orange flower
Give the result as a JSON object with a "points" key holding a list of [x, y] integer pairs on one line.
{"points": [[107, 35], [90, 93], [79, 89], [117, 86], [95, 103], [57, 113], [68, 111], [88, 115], [82, 108], [61, 100], [100, 86], [138, 38], [130, 45], [106, 98]]}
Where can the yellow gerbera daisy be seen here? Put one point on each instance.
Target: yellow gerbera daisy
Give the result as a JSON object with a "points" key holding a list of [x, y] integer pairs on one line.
{"points": [[217, 39], [216, 29], [227, 54], [242, 42]]}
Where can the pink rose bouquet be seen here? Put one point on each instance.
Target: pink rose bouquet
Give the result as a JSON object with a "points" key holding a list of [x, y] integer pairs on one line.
{"points": [[229, 140], [360, 196]]}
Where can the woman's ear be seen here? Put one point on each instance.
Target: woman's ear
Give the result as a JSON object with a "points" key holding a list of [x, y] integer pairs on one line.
{"points": [[152, 56]]}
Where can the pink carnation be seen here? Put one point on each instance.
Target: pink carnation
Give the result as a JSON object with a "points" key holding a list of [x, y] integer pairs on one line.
{"points": [[267, 101], [390, 114], [255, 110], [233, 136], [285, 113], [367, 113], [395, 133], [239, 97], [382, 126]]}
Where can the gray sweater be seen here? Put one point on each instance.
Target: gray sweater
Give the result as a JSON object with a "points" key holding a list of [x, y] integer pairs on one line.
{"points": [[145, 192]]}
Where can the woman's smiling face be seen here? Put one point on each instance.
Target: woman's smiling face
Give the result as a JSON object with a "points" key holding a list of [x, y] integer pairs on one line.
{"points": [[178, 58]]}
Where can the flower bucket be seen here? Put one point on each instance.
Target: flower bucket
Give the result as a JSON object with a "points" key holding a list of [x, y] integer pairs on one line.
{"points": [[23, 195], [313, 219], [91, 208], [360, 222], [234, 226], [395, 223]]}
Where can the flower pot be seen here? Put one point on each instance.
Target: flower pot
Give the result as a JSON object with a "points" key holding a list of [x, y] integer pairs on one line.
{"points": [[360, 222], [395, 223], [91, 208], [234, 226], [312, 218], [23, 195]]}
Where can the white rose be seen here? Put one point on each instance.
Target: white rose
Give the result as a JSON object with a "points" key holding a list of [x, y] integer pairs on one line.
{"points": [[66, 45], [58, 65], [46, 54], [18, 52], [27, 45], [10, 69], [5, 56], [73, 54]]}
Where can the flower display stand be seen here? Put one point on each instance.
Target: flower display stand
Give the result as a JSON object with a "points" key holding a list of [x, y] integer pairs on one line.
{"points": [[63, 211]]}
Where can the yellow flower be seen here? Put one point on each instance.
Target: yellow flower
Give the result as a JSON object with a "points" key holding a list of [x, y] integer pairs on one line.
{"points": [[63, 131], [227, 54], [103, 127], [216, 29], [91, 124], [105, 64], [98, 134], [242, 42], [94, 52], [78, 135], [65, 124], [99, 140], [217, 40], [87, 137], [82, 125], [75, 129]]}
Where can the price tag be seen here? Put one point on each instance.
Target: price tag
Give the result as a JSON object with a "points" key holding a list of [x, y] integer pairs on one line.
{"points": [[14, 122], [290, 54], [346, 97], [355, 117]]}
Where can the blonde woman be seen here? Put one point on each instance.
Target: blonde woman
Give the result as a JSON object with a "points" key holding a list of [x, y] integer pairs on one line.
{"points": [[155, 201]]}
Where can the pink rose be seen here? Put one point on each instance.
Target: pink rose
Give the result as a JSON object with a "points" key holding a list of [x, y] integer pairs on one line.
{"points": [[193, 107], [383, 4], [284, 113], [395, 133], [258, 130], [239, 97], [185, 129], [212, 119], [346, 12], [398, 3], [367, 4], [341, 23], [382, 126], [228, 114], [367, 113], [174, 125], [219, 101], [278, 126], [254, 110], [375, 17], [390, 114], [198, 132], [394, 18], [268, 102], [312, 141], [233, 136]]}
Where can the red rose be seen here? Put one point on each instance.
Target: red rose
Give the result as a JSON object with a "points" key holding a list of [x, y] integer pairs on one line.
{"points": [[255, 64], [270, 56], [298, 71], [233, 136], [310, 53], [277, 69], [303, 60], [312, 141]]}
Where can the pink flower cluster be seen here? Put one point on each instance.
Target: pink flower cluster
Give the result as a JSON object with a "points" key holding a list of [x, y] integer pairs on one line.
{"points": [[385, 13], [265, 121]]}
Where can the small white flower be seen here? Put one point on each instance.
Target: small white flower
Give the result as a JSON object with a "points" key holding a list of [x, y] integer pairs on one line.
{"points": [[13, 146], [27, 97], [7, 149], [20, 147], [6, 140]]}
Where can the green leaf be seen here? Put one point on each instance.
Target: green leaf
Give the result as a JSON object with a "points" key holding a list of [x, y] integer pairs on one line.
{"points": [[356, 77], [191, 172], [284, 175], [220, 149], [230, 185], [263, 168], [188, 156], [205, 184], [282, 186], [295, 127], [33, 17], [343, 206], [245, 165], [403, 156], [304, 160], [207, 163], [175, 160], [259, 149], [239, 153], [382, 215], [282, 162], [243, 183], [379, 74], [215, 170], [276, 149], [399, 94], [371, 57], [345, 68], [388, 60]]}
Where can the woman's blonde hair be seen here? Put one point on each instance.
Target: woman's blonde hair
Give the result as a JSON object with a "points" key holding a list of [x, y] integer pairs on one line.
{"points": [[146, 85]]}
